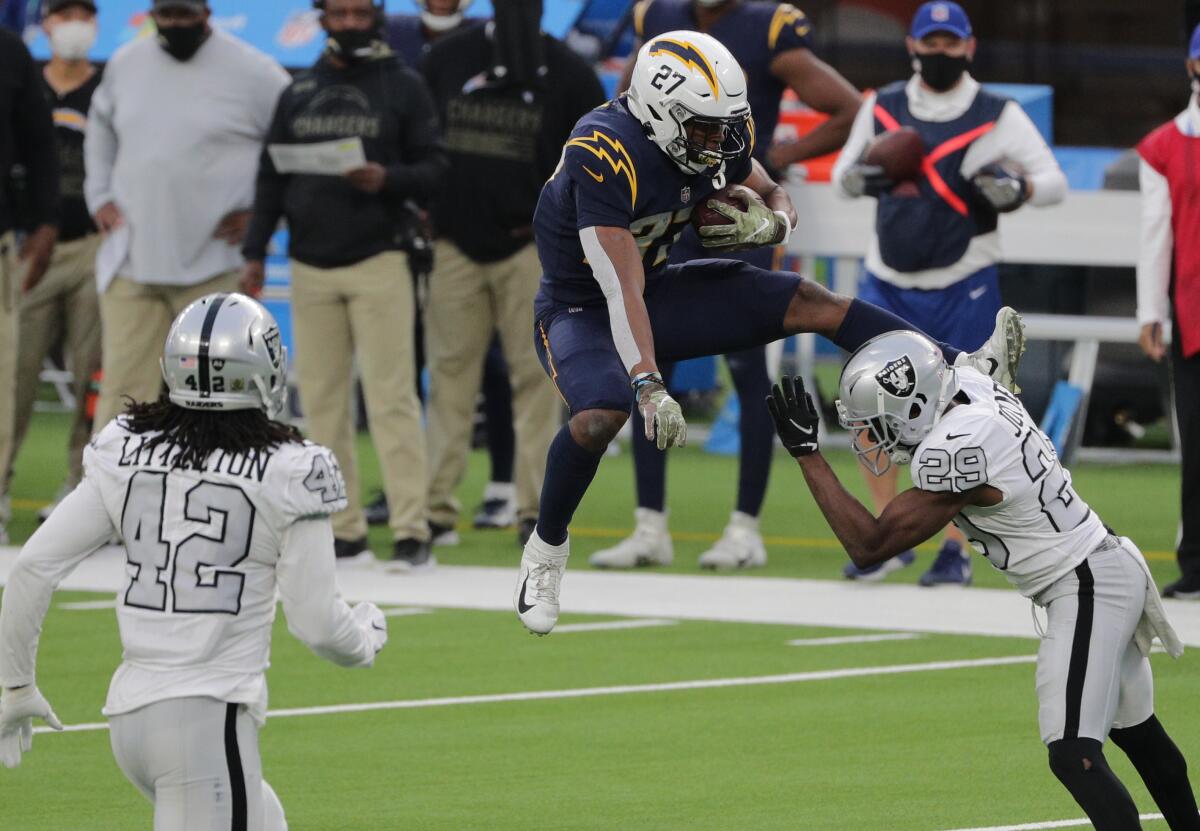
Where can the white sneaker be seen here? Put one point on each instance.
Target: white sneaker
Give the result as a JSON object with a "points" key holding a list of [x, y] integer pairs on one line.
{"points": [[1001, 355], [648, 545], [499, 508], [741, 546], [538, 581]]}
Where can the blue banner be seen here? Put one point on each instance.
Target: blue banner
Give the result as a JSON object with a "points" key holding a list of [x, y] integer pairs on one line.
{"points": [[286, 29]]}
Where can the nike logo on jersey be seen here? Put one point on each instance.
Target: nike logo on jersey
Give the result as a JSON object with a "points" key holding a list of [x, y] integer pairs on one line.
{"points": [[522, 606], [599, 177], [977, 293], [950, 436]]}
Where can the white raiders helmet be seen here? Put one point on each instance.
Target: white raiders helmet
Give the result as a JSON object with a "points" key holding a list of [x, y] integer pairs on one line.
{"points": [[224, 352], [442, 22], [892, 392], [688, 91]]}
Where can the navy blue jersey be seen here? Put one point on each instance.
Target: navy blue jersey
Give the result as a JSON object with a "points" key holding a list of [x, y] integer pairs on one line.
{"points": [[406, 36], [612, 175], [755, 32]]}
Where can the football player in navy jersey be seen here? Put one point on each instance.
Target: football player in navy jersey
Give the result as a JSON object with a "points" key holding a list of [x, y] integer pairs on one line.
{"points": [[771, 42], [610, 307]]}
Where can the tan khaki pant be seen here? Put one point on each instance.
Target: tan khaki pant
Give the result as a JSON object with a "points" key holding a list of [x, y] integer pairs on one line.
{"points": [[135, 318], [10, 279], [63, 305], [468, 301], [367, 310]]}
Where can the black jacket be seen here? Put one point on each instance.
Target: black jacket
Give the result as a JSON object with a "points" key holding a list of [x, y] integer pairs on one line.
{"points": [[331, 222], [504, 141], [26, 138]]}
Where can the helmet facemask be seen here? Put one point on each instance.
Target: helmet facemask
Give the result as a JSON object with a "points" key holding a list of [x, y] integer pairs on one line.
{"points": [[706, 142]]}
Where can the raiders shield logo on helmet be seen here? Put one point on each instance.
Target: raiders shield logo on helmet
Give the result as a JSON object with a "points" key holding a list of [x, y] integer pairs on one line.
{"points": [[898, 378]]}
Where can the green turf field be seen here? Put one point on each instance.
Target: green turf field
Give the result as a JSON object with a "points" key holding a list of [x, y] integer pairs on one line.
{"points": [[927, 749]]}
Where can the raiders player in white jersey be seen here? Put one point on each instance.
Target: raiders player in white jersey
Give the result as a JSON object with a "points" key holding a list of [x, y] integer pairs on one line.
{"points": [[979, 459], [220, 508]]}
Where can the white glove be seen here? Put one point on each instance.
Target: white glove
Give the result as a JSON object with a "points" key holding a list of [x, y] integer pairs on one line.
{"points": [[18, 709], [372, 621]]}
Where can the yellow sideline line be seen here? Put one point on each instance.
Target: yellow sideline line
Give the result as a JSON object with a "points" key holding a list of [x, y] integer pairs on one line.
{"points": [[786, 542], [686, 536]]}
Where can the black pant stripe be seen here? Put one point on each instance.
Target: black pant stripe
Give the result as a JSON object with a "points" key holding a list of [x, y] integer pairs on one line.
{"points": [[237, 779], [1077, 671]]}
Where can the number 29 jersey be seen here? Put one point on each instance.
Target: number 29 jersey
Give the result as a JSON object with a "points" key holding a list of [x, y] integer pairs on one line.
{"points": [[1041, 529], [202, 547]]}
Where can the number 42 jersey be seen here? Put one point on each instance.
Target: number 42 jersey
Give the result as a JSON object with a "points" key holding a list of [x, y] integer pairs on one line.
{"points": [[1041, 529], [206, 550]]}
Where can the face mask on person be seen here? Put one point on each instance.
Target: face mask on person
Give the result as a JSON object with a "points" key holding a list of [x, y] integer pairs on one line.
{"points": [[939, 70], [353, 45], [71, 40], [182, 42], [440, 22]]}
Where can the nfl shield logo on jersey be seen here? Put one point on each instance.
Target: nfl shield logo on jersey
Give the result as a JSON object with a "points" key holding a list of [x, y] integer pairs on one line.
{"points": [[898, 377], [685, 195]]}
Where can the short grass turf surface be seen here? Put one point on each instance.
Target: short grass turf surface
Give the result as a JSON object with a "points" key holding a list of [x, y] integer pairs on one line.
{"points": [[931, 750]]}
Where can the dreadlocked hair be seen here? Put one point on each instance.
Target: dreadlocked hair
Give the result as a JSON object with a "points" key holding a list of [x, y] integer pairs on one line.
{"points": [[195, 434]]}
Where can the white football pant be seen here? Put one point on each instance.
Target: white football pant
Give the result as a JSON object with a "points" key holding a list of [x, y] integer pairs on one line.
{"points": [[197, 760], [1091, 676]]}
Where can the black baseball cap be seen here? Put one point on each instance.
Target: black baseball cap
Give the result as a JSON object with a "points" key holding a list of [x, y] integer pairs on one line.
{"points": [[52, 6], [194, 5]]}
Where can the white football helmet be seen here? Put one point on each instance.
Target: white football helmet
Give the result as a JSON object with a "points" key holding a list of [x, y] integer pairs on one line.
{"points": [[892, 392], [689, 93], [224, 352], [442, 22]]}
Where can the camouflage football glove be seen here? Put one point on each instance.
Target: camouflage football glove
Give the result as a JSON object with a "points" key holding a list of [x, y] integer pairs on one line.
{"points": [[18, 709], [662, 414], [756, 226]]}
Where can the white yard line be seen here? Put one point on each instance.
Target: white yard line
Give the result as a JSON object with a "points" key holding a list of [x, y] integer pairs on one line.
{"points": [[404, 611], [88, 605], [839, 604], [1036, 826], [845, 639], [625, 689], [607, 625]]}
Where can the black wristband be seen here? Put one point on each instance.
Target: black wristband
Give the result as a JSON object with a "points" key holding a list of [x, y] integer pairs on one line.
{"points": [[646, 378]]}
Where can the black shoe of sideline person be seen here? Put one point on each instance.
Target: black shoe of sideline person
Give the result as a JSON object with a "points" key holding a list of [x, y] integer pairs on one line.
{"points": [[411, 554], [350, 552], [376, 511], [1185, 588]]}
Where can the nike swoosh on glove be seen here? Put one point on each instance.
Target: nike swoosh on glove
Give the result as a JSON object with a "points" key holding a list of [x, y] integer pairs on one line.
{"points": [[663, 416], [795, 415], [756, 226], [18, 709], [373, 622]]}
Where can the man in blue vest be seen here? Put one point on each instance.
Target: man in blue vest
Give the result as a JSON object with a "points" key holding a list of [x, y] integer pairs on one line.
{"points": [[933, 257], [772, 43]]}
